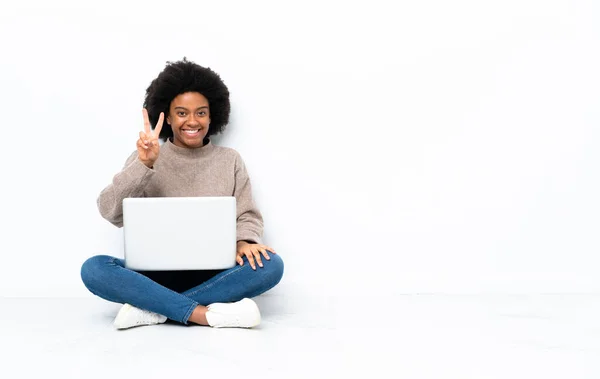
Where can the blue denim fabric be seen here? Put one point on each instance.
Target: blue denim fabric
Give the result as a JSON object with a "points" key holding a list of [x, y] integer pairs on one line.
{"points": [[107, 277]]}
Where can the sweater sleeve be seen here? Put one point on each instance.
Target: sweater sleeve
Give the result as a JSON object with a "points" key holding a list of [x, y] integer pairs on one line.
{"points": [[249, 218], [130, 182]]}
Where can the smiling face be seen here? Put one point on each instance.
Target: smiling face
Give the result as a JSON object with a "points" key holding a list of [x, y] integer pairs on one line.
{"points": [[189, 117]]}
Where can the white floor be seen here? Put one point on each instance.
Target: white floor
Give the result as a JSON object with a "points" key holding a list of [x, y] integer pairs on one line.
{"points": [[407, 336]]}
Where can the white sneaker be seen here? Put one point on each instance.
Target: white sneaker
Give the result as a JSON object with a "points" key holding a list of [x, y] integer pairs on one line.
{"points": [[130, 316], [241, 314]]}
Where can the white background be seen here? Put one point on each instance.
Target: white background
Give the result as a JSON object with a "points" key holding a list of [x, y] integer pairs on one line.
{"points": [[394, 147]]}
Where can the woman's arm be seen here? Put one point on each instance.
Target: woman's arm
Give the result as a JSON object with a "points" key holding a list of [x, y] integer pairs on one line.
{"points": [[130, 182], [249, 218], [136, 174]]}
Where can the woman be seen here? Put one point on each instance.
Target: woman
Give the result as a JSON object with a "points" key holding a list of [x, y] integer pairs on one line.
{"points": [[196, 102]]}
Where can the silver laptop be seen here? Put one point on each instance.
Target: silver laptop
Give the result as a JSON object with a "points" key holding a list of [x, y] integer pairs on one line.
{"points": [[179, 233]]}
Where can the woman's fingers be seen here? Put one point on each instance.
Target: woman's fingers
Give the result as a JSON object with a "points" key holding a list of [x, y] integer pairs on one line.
{"points": [[148, 126], [265, 253], [239, 260], [146, 121], [159, 124], [253, 254], [143, 140], [251, 259], [257, 257], [146, 141]]}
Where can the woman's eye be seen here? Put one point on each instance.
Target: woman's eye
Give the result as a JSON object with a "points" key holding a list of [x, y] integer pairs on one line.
{"points": [[181, 114], [202, 113]]}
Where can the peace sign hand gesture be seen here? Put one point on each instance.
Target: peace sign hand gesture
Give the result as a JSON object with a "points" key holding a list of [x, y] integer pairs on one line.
{"points": [[147, 145]]}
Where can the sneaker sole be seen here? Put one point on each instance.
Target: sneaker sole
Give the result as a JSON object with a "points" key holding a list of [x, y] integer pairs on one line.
{"points": [[122, 316], [257, 319]]}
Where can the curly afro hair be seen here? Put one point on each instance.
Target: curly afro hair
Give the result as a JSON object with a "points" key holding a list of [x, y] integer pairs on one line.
{"points": [[185, 76]]}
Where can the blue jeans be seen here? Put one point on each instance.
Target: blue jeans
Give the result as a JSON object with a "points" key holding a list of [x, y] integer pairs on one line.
{"points": [[108, 278]]}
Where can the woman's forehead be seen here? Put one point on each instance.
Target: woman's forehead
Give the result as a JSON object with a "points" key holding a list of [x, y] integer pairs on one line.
{"points": [[190, 100]]}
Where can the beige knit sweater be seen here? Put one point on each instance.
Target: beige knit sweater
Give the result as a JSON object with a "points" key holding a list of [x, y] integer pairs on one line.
{"points": [[181, 172]]}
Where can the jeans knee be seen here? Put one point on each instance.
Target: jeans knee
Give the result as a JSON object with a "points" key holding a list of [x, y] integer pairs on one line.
{"points": [[274, 268], [92, 271]]}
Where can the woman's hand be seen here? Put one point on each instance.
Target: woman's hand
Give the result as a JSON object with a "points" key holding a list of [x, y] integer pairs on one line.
{"points": [[252, 251], [147, 145]]}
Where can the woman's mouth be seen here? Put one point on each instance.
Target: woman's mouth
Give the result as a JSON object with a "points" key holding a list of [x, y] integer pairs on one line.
{"points": [[191, 132]]}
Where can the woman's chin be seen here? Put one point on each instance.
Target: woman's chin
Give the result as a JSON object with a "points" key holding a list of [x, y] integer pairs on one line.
{"points": [[190, 142]]}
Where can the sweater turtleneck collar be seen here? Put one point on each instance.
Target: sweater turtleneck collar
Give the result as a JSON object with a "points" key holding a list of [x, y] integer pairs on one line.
{"points": [[196, 152]]}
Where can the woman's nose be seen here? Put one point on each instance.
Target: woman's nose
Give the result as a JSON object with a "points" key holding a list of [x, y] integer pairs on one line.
{"points": [[193, 121]]}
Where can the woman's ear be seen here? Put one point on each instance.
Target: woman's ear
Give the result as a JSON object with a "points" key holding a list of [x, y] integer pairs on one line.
{"points": [[168, 120]]}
